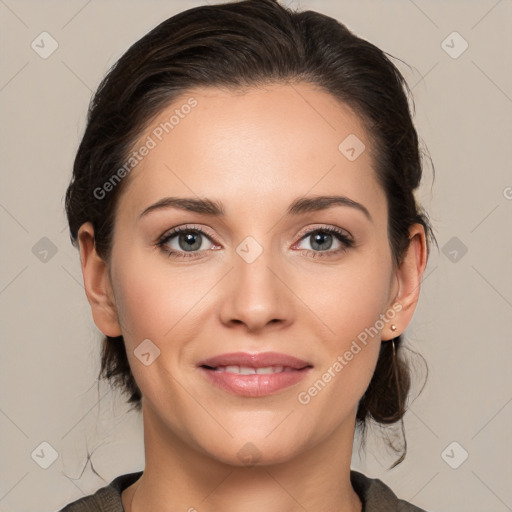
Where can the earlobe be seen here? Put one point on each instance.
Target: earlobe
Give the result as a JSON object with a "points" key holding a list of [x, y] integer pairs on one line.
{"points": [[98, 287], [408, 275]]}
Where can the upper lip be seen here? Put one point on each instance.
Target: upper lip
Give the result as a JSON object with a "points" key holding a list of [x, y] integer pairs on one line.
{"points": [[260, 360]]}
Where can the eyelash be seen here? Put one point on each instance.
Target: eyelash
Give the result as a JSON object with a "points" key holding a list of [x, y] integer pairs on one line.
{"points": [[338, 233]]}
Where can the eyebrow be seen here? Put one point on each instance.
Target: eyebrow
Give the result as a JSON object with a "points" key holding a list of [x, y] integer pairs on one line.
{"points": [[298, 206]]}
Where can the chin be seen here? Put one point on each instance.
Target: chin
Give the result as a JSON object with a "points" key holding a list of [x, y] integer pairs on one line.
{"points": [[256, 451]]}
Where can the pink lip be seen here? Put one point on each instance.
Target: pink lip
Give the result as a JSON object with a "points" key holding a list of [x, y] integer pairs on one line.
{"points": [[254, 385], [255, 360]]}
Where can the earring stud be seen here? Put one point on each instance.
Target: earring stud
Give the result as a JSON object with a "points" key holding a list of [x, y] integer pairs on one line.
{"points": [[393, 327]]}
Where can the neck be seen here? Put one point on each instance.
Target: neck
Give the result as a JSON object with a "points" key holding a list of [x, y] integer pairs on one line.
{"points": [[177, 477]]}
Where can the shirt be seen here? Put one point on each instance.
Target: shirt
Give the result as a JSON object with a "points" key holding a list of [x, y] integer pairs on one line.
{"points": [[374, 494]]}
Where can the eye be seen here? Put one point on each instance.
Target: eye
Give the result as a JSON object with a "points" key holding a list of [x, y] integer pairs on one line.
{"points": [[188, 241], [321, 241], [184, 242]]}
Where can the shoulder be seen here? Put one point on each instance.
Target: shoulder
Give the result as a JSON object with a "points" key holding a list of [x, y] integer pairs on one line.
{"points": [[376, 496], [106, 499]]}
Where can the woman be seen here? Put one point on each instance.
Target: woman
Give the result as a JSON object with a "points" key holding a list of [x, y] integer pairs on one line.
{"points": [[243, 202]]}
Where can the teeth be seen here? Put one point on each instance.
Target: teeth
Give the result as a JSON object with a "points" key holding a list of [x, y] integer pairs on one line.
{"points": [[269, 369], [246, 370]]}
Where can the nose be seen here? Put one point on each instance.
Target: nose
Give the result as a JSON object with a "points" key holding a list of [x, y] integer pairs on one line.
{"points": [[255, 294]]}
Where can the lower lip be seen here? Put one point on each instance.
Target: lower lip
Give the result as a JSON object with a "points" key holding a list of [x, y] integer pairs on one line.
{"points": [[254, 385]]}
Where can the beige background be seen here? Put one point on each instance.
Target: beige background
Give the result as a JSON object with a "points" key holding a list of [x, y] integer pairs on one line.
{"points": [[463, 325]]}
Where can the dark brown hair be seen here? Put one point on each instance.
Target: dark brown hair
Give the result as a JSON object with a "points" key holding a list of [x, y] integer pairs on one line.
{"points": [[238, 45]]}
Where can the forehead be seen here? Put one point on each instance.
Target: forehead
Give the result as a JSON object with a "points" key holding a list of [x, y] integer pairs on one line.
{"points": [[255, 149]]}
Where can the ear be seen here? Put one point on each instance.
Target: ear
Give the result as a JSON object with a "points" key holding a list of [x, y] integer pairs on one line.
{"points": [[97, 284], [408, 277]]}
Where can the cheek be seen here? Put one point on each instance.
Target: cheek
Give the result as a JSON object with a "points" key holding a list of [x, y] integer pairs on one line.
{"points": [[157, 305], [351, 299], [151, 300], [351, 312], [351, 308]]}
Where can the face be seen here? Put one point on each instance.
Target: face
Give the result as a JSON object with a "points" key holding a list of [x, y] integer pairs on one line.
{"points": [[301, 297]]}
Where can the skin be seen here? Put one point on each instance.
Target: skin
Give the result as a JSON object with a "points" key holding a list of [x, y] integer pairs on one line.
{"points": [[255, 151]]}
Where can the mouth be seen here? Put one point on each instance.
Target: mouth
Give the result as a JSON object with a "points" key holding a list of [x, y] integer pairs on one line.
{"points": [[254, 375], [247, 370]]}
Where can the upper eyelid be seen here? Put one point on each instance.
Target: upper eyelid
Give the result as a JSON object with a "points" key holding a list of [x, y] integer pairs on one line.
{"points": [[320, 227]]}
